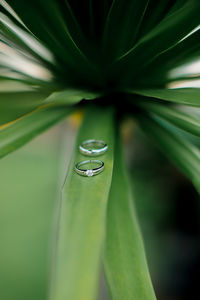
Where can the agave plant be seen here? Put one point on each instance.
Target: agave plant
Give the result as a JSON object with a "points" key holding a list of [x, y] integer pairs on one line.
{"points": [[107, 58]]}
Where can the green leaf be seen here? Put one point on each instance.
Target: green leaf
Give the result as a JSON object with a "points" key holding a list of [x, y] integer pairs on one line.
{"points": [[182, 119], [124, 259], [186, 96], [165, 35], [160, 70], [61, 36], [23, 40], [155, 12], [20, 131], [16, 76], [51, 31], [15, 104], [178, 148], [122, 26], [9, 12], [82, 216], [70, 96], [75, 29]]}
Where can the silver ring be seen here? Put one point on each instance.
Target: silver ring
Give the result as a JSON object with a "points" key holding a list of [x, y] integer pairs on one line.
{"points": [[89, 172], [93, 147]]}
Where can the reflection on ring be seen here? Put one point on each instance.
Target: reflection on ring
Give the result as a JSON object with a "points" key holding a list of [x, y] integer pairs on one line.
{"points": [[93, 147], [89, 172]]}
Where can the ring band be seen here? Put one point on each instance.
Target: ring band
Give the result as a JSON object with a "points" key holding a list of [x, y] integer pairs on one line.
{"points": [[89, 172], [93, 147]]}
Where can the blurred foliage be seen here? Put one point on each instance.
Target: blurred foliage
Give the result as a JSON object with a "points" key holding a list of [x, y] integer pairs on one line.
{"points": [[28, 191]]}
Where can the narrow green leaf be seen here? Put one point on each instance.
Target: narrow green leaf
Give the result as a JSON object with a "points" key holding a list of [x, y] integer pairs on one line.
{"points": [[186, 96], [182, 119], [185, 52], [20, 131], [9, 12], [70, 96], [22, 40], [91, 15], [53, 32], [14, 74], [83, 216], [124, 260], [165, 35], [17, 133], [73, 26], [155, 12], [122, 26], [184, 154], [13, 86], [15, 104]]}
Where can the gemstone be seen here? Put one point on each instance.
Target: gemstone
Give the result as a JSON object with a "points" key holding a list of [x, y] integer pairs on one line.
{"points": [[89, 173]]}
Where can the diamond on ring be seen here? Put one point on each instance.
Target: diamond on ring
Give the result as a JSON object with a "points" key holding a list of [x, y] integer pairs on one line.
{"points": [[89, 172]]}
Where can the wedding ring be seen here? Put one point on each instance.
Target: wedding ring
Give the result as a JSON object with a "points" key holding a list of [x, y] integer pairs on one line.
{"points": [[89, 172], [93, 147]]}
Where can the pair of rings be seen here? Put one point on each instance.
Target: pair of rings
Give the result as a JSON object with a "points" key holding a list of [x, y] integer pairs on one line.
{"points": [[91, 148]]}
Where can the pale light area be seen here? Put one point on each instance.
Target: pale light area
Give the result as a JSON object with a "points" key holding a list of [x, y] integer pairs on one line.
{"points": [[12, 75], [13, 86], [195, 83], [191, 69], [13, 60], [195, 111]]}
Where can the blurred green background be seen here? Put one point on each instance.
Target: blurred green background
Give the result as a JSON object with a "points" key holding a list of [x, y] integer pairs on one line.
{"points": [[30, 180], [29, 188]]}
